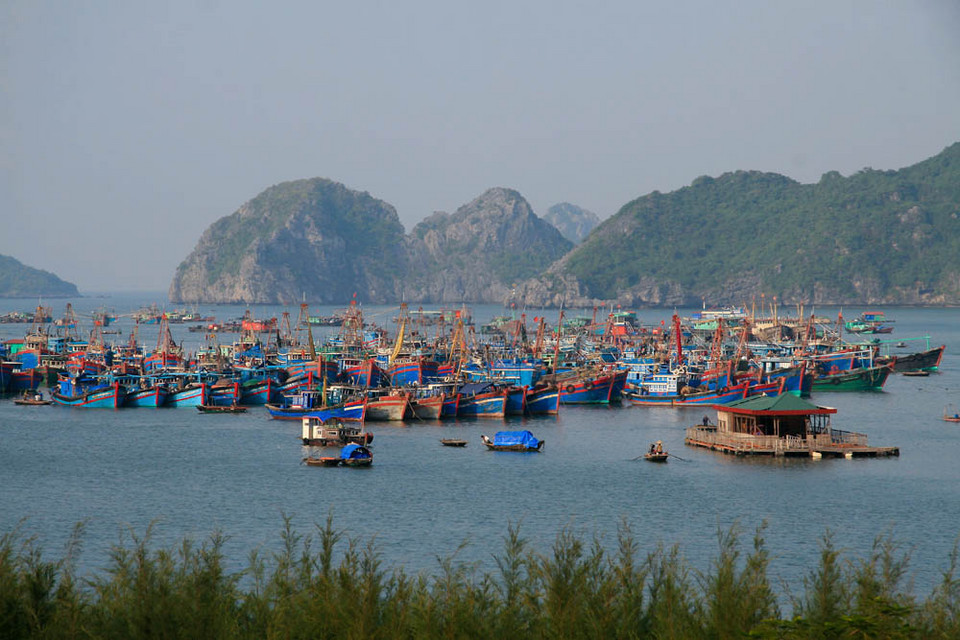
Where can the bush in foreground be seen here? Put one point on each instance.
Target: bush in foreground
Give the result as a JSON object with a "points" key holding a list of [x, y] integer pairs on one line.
{"points": [[326, 586]]}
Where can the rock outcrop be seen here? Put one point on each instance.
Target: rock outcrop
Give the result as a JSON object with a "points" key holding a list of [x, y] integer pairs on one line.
{"points": [[480, 252], [308, 239]]}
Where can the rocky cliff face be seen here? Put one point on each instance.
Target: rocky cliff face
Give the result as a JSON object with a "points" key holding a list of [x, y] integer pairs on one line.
{"points": [[317, 240], [575, 223], [481, 251], [312, 239]]}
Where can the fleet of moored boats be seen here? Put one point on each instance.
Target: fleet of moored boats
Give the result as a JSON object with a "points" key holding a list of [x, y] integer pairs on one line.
{"points": [[437, 366]]}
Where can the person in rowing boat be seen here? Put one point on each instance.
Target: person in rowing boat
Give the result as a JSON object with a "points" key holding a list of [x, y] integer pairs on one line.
{"points": [[659, 448]]}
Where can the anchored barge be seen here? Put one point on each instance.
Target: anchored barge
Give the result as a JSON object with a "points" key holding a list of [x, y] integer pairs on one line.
{"points": [[784, 425]]}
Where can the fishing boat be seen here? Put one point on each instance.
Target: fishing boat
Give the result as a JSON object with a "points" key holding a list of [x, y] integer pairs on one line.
{"points": [[356, 455], [32, 399], [588, 389], [152, 396], [926, 360], [316, 432], [656, 453], [857, 379], [322, 461], [869, 322], [544, 399], [453, 442], [109, 397], [512, 441], [641, 396], [383, 406], [481, 400], [950, 413], [191, 395], [221, 408]]}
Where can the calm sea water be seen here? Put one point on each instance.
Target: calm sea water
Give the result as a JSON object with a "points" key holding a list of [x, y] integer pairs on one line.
{"points": [[192, 474]]}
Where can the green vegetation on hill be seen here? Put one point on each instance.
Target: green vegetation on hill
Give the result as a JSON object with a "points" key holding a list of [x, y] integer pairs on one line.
{"points": [[876, 235], [335, 210], [18, 281]]}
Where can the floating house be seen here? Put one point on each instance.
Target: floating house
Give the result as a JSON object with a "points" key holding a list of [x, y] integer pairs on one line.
{"points": [[784, 425]]}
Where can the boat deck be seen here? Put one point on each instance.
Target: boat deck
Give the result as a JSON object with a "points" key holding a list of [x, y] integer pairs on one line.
{"points": [[814, 447]]}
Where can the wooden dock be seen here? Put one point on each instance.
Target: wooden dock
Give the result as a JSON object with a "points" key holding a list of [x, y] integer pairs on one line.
{"points": [[836, 444]]}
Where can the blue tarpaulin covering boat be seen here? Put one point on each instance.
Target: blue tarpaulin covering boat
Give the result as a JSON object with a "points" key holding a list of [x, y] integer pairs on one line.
{"points": [[356, 455], [513, 441]]}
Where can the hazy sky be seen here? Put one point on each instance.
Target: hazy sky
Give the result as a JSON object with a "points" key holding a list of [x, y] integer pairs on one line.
{"points": [[127, 128]]}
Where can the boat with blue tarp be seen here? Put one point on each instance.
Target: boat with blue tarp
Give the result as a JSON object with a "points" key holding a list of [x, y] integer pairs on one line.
{"points": [[512, 441]]}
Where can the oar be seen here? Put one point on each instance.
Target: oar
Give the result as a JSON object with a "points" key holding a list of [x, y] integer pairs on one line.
{"points": [[678, 457]]}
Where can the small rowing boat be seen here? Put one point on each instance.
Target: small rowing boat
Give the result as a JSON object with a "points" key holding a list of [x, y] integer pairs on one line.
{"points": [[322, 461], [453, 442], [214, 408], [656, 453]]}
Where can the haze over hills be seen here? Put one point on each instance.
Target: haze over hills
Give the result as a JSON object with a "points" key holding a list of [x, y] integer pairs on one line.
{"points": [[575, 223], [873, 237], [17, 280]]}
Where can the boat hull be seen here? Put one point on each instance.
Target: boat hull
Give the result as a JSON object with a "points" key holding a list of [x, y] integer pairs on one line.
{"points": [[722, 396], [483, 405], [597, 390], [862, 379], [193, 396], [543, 401], [152, 397], [109, 398], [387, 408]]}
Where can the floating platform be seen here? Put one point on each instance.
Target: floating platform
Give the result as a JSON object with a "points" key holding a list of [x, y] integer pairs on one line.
{"points": [[786, 447]]}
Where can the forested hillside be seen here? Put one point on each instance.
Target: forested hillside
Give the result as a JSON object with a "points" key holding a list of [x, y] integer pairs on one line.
{"points": [[876, 236]]}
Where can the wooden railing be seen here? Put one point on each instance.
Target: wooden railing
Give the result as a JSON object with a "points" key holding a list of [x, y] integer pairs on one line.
{"points": [[746, 442]]}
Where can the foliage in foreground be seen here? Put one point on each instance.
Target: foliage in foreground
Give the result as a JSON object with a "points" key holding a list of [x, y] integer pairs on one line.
{"points": [[326, 586]]}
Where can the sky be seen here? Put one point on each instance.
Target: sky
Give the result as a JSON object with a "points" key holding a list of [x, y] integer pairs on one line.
{"points": [[127, 128]]}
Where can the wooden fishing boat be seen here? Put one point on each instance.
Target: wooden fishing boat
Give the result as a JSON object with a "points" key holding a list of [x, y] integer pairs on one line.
{"points": [[220, 408], [356, 455], [950, 413], [325, 461], [32, 399], [512, 441], [917, 374], [656, 453], [453, 442]]}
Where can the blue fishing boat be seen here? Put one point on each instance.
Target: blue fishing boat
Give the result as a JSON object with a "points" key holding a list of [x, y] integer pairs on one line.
{"points": [[152, 396], [543, 400], [481, 399], [516, 401], [108, 397], [257, 392], [310, 403], [192, 395], [642, 396], [224, 394], [593, 389]]}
